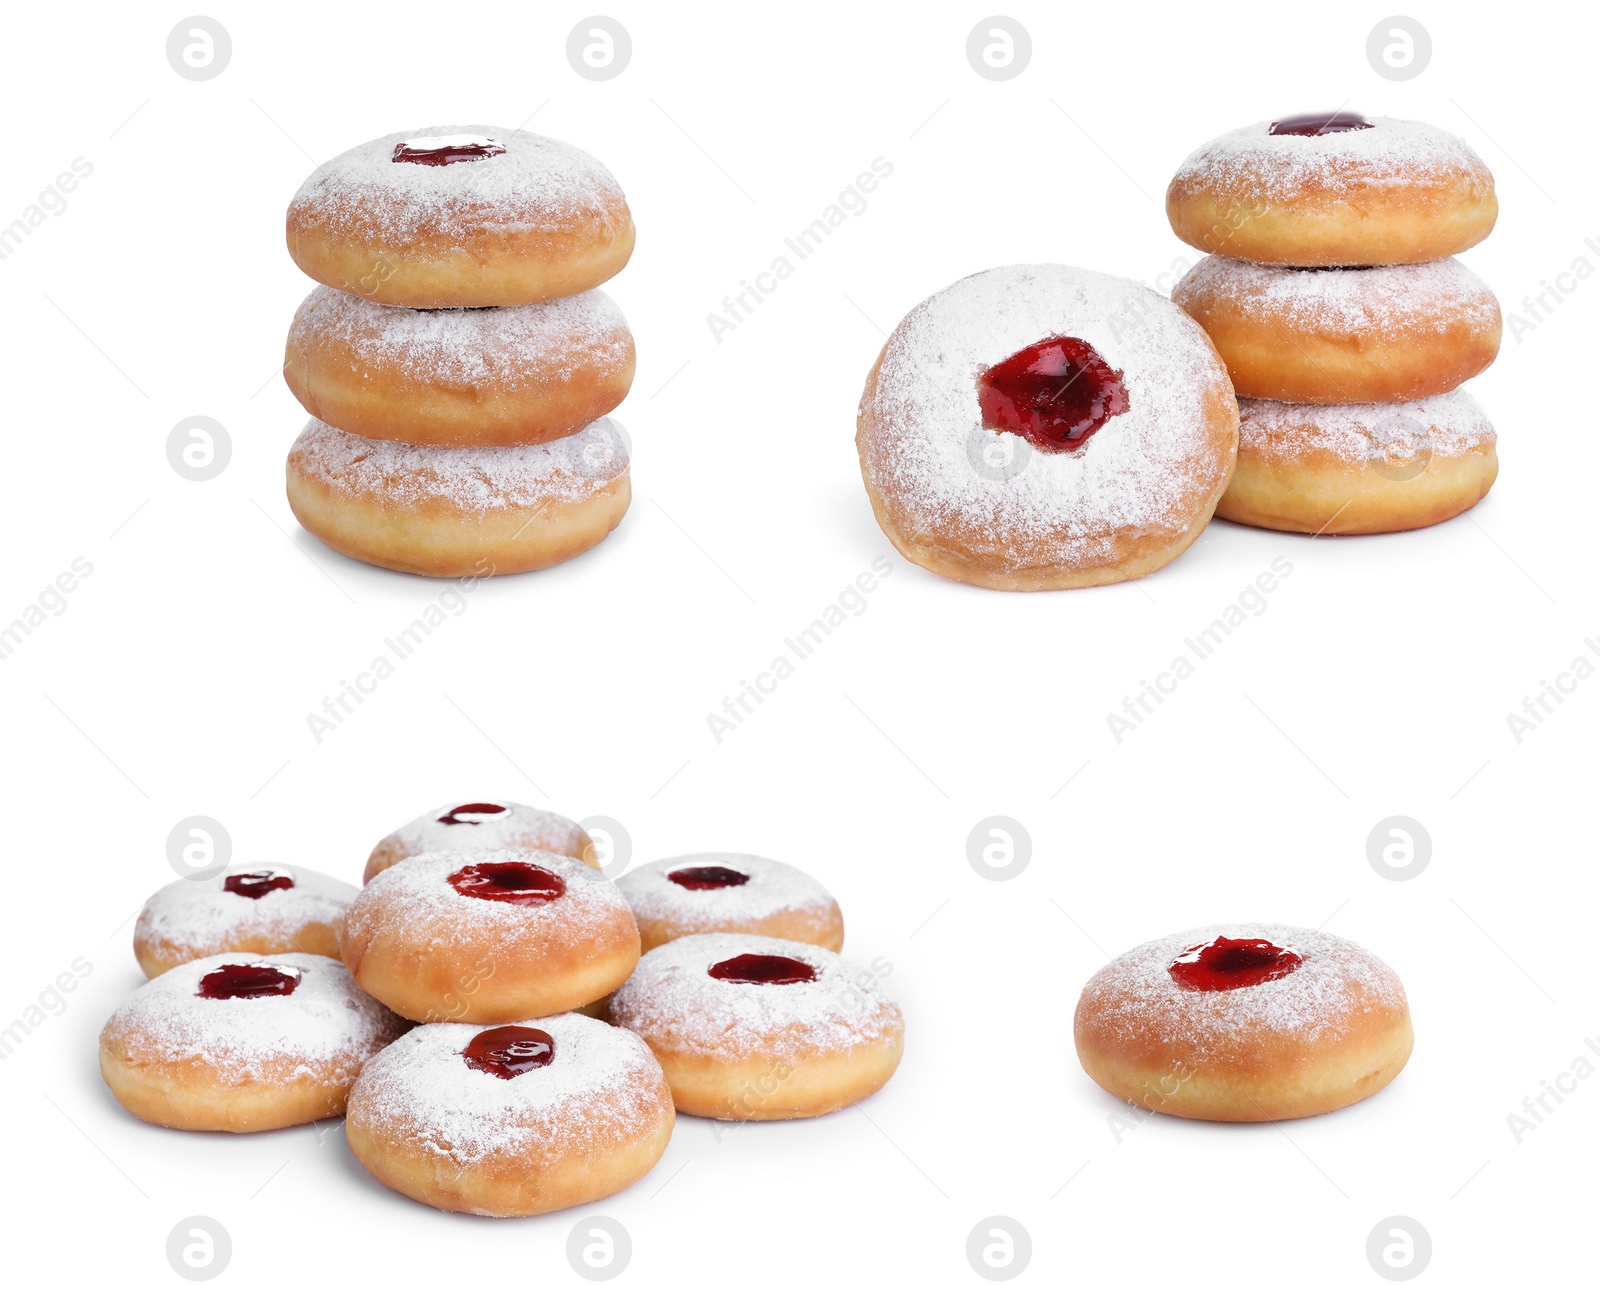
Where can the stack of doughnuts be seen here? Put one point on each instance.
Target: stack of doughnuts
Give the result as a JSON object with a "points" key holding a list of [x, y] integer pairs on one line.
{"points": [[459, 362], [1332, 293]]}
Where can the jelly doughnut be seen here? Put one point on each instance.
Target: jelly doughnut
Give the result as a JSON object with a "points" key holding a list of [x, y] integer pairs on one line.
{"points": [[487, 937], [1040, 427], [494, 376], [242, 1042], [1344, 335], [1345, 470], [1244, 1023], [460, 216], [513, 1120], [730, 892], [751, 1027], [481, 827], [256, 907], [1333, 189], [459, 511]]}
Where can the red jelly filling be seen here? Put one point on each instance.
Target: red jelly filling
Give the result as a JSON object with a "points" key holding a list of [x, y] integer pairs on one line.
{"points": [[510, 1051], [516, 882], [1320, 124], [233, 982], [701, 878], [1055, 393], [752, 968], [472, 813], [443, 155], [1227, 963], [256, 884]]}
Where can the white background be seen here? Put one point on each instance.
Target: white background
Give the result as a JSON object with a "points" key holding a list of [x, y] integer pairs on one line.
{"points": [[178, 680]]}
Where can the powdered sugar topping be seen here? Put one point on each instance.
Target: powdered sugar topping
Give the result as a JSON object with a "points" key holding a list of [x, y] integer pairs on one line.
{"points": [[520, 828], [1379, 434], [773, 888], [199, 914]]}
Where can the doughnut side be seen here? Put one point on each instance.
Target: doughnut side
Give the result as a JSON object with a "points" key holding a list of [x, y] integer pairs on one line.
{"points": [[814, 926], [190, 1095], [157, 955], [394, 848]]}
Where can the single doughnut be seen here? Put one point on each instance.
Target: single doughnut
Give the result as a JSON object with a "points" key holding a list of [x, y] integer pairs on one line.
{"points": [[487, 937], [241, 1042], [729, 892], [1244, 1023], [459, 511], [1346, 335], [461, 216], [750, 1027], [514, 1120], [1333, 189], [481, 827], [256, 906], [1040, 427], [493, 376], [1350, 470]]}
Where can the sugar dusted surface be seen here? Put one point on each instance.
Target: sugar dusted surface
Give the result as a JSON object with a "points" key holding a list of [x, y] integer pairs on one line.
{"points": [[473, 479], [774, 888], [1451, 424], [1140, 472], [196, 913], [674, 1003], [525, 827], [602, 1087], [325, 1029]]}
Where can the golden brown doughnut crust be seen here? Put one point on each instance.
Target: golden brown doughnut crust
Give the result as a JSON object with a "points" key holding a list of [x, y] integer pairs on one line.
{"points": [[776, 900], [524, 829]]}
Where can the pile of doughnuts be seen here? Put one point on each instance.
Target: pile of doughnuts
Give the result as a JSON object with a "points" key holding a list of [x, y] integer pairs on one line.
{"points": [[459, 361], [1332, 292], [480, 1012]]}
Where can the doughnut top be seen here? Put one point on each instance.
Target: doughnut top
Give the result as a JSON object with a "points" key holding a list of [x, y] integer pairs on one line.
{"points": [[1141, 469], [487, 826], [1283, 168], [536, 184], [207, 914], [673, 1000], [771, 887], [601, 1086], [473, 479], [325, 1022], [1399, 434]]}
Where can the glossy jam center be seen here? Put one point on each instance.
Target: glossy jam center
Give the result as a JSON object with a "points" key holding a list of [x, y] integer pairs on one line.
{"points": [[1227, 963], [473, 813], [702, 878], [752, 968], [509, 1051], [515, 882], [234, 982], [1054, 393], [1320, 124], [442, 150], [256, 884]]}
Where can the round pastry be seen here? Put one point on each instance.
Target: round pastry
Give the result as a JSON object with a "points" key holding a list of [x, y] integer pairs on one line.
{"points": [[494, 376], [461, 216], [255, 907], [1244, 1023], [488, 937], [1040, 427], [1333, 189], [242, 1042], [1348, 470], [729, 892], [459, 511], [514, 1120], [1345, 335], [481, 827], [751, 1027]]}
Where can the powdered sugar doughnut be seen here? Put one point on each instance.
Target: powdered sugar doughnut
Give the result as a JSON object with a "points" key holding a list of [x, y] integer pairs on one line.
{"points": [[751, 1027], [1127, 430], [459, 511], [241, 1042], [1344, 335], [481, 827], [488, 937], [730, 892], [1344, 470], [257, 907], [1362, 192], [461, 216], [492, 376], [1244, 1023], [511, 1121]]}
